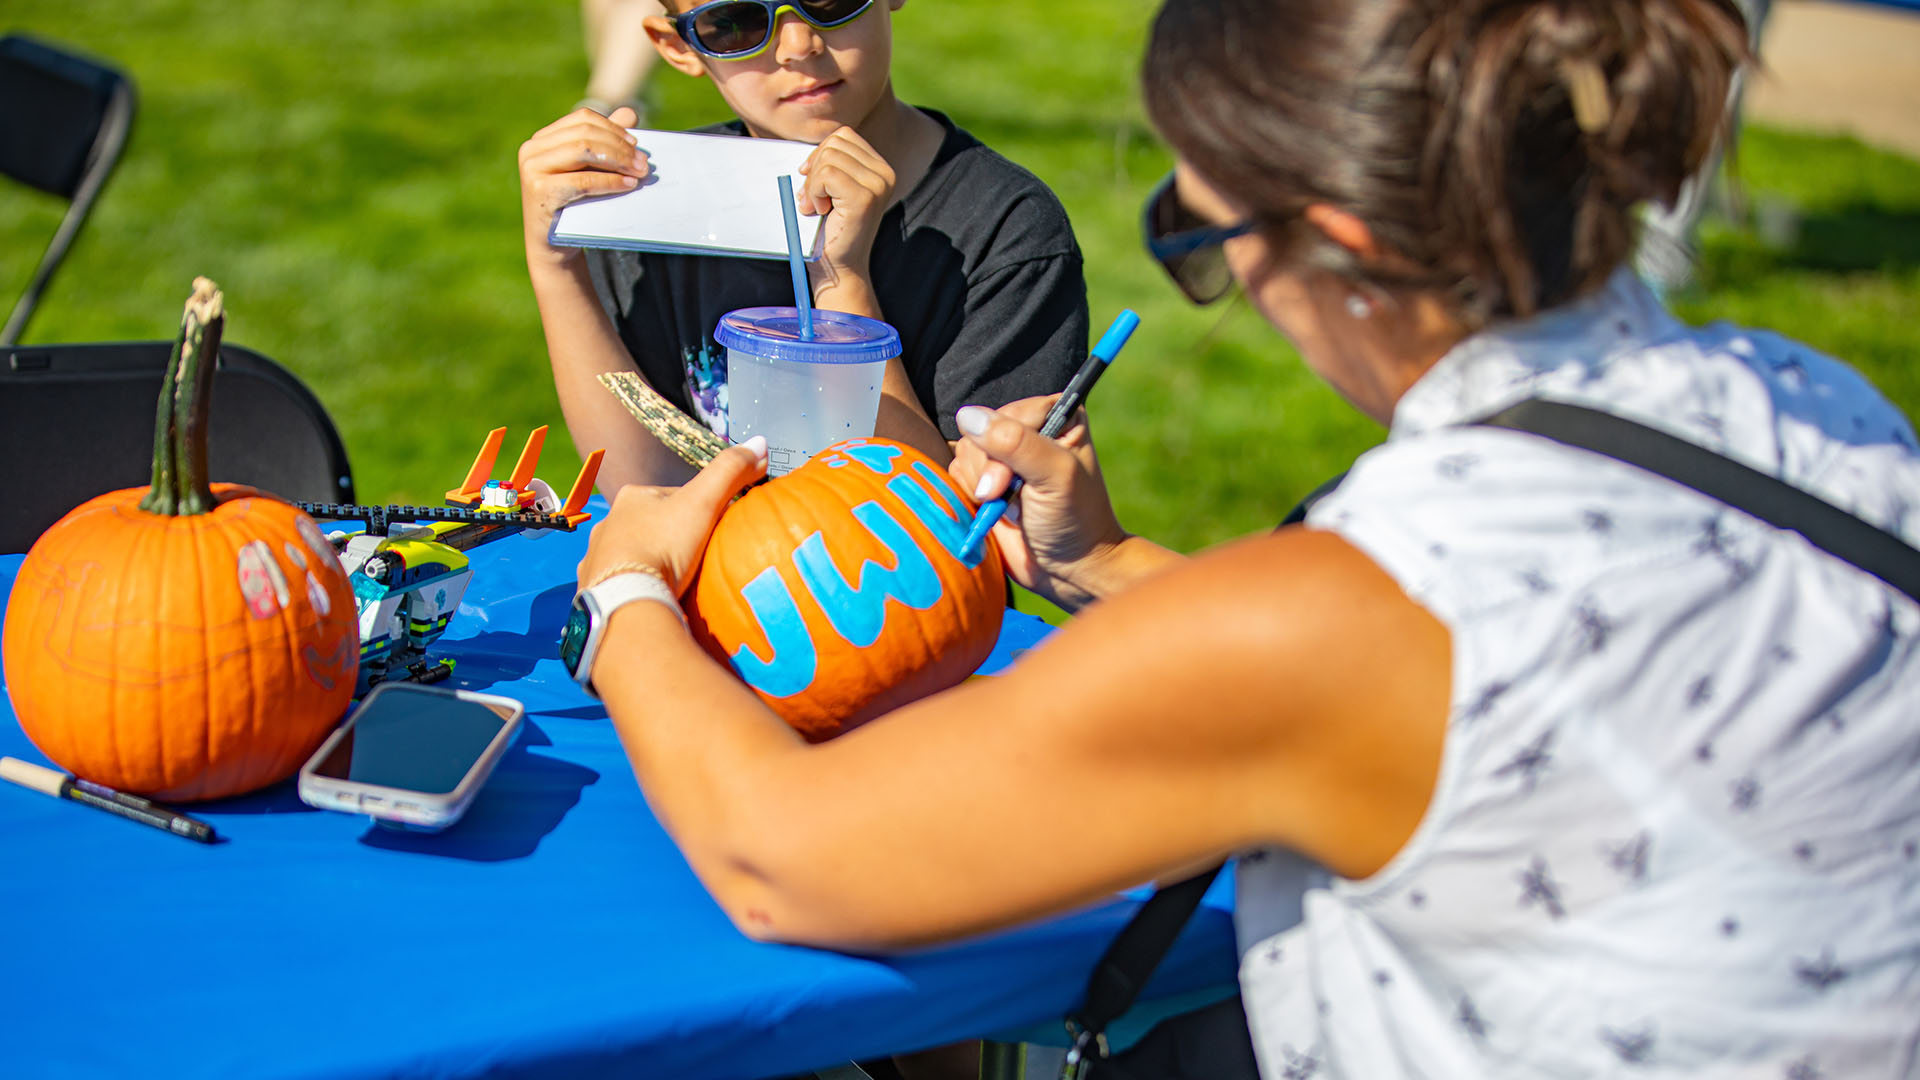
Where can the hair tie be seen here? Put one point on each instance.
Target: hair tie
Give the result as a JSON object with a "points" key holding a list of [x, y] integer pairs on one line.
{"points": [[1587, 88]]}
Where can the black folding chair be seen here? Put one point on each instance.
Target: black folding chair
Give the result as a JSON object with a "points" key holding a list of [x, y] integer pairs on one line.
{"points": [[77, 420], [63, 122]]}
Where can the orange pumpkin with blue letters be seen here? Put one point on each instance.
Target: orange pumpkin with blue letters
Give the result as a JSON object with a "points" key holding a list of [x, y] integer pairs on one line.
{"points": [[837, 592]]}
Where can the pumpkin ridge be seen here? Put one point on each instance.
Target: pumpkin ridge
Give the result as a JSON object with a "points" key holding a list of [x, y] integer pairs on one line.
{"points": [[256, 702], [286, 627], [300, 597], [197, 531], [246, 692], [283, 627], [157, 535], [55, 635], [119, 706], [209, 738]]}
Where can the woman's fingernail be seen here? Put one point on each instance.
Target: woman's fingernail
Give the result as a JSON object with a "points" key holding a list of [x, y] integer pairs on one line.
{"points": [[980, 489], [973, 419], [629, 181], [757, 444]]}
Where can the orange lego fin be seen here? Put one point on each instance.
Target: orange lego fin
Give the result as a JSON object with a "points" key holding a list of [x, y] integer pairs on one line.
{"points": [[468, 493], [582, 488], [529, 459]]}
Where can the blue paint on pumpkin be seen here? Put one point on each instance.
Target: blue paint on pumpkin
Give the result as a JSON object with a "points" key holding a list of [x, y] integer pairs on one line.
{"points": [[949, 524], [795, 660], [858, 612], [876, 457]]}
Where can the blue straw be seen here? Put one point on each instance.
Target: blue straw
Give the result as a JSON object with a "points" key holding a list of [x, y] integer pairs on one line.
{"points": [[802, 295]]}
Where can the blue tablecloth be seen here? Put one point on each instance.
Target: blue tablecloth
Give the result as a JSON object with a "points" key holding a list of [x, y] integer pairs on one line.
{"points": [[554, 932]]}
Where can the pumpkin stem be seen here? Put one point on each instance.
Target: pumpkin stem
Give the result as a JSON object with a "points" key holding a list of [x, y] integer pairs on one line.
{"points": [[180, 485], [159, 498]]}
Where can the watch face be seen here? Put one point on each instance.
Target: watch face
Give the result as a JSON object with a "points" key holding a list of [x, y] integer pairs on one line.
{"points": [[573, 638]]}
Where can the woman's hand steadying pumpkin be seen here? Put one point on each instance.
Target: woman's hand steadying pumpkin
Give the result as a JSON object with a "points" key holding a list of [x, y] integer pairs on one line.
{"points": [[666, 528]]}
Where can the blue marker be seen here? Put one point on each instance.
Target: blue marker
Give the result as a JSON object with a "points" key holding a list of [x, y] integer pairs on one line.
{"points": [[1076, 392]]}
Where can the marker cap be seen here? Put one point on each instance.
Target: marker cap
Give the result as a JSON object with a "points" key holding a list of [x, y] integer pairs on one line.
{"points": [[28, 775]]}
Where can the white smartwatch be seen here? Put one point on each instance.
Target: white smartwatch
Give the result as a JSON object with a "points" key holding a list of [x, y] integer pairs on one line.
{"points": [[587, 622]]}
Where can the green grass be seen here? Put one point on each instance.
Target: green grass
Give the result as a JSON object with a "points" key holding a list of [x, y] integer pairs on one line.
{"points": [[346, 173]]}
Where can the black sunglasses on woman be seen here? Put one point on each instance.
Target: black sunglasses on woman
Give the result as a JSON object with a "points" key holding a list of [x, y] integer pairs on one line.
{"points": [[1186, 245]]}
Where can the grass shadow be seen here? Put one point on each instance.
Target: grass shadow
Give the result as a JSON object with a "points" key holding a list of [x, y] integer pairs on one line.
{"points": [[1854, 238]]}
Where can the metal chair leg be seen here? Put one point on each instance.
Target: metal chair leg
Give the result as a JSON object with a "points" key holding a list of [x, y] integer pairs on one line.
{"points": [[849, 1071], [1002, 1061]]}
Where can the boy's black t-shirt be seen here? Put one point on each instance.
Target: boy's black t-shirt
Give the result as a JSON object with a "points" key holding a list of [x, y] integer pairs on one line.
{"points": [[976, 267]]}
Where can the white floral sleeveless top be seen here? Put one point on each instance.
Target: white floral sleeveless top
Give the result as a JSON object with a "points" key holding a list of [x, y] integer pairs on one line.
{"points": [[1677, 825]]}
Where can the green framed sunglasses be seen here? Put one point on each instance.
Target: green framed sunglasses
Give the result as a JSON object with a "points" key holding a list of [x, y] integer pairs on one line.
{"points": [[743, 29]]}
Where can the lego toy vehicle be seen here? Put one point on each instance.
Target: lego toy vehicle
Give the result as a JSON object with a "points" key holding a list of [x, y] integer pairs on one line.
{"points": [[409, 569]]}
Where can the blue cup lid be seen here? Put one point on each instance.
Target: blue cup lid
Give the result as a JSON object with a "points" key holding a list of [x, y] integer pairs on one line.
{"points": [[838, 338]]}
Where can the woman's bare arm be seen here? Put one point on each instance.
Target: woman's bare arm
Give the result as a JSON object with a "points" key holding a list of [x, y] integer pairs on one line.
{"points": [[1279, 691]]}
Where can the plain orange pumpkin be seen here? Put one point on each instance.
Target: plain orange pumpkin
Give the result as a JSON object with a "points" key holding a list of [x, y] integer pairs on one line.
{"points": [[184, 641], [837, 592]]}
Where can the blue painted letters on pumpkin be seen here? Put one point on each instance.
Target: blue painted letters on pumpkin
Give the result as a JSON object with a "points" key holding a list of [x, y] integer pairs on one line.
{"points": [[858, 612], [949, 524], [794, 660], [875, 457]]}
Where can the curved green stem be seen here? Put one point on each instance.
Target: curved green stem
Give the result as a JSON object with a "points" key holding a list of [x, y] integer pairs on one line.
{"points": [[160, 497], [180, 484]]}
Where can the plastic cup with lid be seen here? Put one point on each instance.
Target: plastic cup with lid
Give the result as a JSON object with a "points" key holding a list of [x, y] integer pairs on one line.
{"points": [[803, 395]]}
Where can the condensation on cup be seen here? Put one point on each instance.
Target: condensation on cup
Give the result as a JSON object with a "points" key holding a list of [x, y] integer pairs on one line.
{"points": [[802, 395]]}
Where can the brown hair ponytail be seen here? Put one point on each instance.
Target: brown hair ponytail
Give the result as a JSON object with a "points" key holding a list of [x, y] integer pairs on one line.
{"points": [[1498, 146]]}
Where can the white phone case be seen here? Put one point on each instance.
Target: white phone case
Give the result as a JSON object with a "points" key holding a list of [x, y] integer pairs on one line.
{"points": [[418, 811]]}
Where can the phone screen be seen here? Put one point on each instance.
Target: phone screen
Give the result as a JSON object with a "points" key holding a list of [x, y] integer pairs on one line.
{"points": [[414, 739]]}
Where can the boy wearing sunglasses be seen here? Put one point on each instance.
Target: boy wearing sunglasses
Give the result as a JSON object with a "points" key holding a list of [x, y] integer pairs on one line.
{"points": [[969, 256]]}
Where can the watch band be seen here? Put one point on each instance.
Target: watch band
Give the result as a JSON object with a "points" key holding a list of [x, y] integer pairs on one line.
{"points": [[617, 590], [609, 595]]}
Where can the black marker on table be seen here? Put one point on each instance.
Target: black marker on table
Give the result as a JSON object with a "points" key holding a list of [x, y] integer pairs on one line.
{"points": [[65, 786], [1057, 418]]}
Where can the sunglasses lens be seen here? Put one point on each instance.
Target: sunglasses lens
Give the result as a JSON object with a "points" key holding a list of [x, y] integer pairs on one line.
{"points": [[830, 12], [732, 28], [1201, 272], [1202, 275], [1168, 215]]}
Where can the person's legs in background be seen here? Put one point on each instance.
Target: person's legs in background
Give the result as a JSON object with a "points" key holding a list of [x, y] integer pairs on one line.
{"points": [[618, 52]]}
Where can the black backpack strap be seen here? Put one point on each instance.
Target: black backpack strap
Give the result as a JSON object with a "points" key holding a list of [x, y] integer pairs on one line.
{"points": [[1299, 513], [1136, 951], [1127, 964], [1773, 501]]}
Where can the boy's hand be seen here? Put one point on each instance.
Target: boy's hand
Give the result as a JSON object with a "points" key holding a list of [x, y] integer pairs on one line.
{"points": [[580, 154], [849, 182]]}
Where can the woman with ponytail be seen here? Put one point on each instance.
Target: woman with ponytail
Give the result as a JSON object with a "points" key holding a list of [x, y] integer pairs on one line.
{"points": [[1538, 763]]}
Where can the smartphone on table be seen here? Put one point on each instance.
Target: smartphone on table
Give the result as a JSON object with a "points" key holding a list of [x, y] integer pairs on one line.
{"points": [[412, 757]]}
